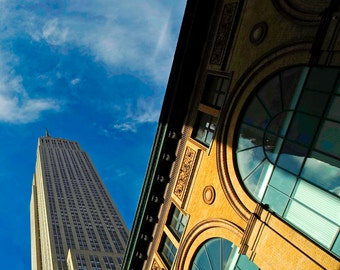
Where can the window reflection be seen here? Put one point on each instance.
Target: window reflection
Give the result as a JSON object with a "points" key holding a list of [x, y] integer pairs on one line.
{"points": [[289, 148], [220, 254], [167, 251], [177, 221], [206, 125]]}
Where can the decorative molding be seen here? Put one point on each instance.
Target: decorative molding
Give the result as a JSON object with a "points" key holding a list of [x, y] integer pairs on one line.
{"points": [[155, 266], [185, 173], [247, 233], [304, 12], [209, 194], [223, 33], [258, 33], [201, 232]]}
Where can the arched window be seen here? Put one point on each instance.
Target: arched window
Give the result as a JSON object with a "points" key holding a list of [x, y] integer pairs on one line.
{"points": [[288, 150], [220, 254]]}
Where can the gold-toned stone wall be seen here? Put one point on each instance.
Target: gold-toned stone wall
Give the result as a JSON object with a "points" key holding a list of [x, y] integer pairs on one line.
{"points": [[267, 37]]}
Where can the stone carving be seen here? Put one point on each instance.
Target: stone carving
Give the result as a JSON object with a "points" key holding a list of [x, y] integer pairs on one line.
{"points": [[258, 33], [155, 266], [209, 194], [185, 172], [223, 33]]}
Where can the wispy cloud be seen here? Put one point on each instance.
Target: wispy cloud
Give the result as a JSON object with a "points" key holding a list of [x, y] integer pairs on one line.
{"points": [[53, 33], [124, 36], [16, 106], [75, 81], [127, 126], [146, 110], [134, 36]]}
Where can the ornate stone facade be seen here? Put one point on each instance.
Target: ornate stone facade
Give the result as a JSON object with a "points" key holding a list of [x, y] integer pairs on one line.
{"points": [[185, 173]]}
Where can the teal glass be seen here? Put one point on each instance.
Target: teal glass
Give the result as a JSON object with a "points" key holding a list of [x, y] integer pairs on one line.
{"points": [[292, 122]]}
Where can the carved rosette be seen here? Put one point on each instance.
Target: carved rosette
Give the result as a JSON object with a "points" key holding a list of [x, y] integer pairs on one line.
{"points": [[223, 33], [185, 173], [155, 266]]}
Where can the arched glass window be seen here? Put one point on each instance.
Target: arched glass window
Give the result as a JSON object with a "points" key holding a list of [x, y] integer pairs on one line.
{"points": [[288, 150], [220, 254]]}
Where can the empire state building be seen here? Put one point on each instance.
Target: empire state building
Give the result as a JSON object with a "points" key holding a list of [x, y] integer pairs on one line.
{"points": [[74, 222]]}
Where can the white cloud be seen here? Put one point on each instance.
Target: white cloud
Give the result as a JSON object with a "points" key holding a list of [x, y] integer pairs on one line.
{"points": [[147, 111], [122, 34], [128, 126], [15, 104], [75, 81], [53, 33]]}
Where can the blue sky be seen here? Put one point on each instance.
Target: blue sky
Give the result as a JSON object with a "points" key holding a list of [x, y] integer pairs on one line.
{"points": [[90, 71]]}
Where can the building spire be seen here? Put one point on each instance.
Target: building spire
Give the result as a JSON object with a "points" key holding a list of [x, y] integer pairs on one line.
{"points": [[47, 134]]}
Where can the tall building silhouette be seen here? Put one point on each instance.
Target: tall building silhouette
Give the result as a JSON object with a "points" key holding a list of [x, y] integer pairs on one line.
{"points": [[74, 223]]}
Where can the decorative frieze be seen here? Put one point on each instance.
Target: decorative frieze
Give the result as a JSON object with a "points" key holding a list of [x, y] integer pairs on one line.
{"points": [[185, 173], [223, 33]]}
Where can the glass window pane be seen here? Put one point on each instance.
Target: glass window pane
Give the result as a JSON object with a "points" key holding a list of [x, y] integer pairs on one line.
{"points": [[277, 126], [256, 115], [269, 98], [322, 79], [177, 222], [291, 83], [313, 102], [318, 169], [258, 180], [328, 139], [283, 181], [276, 200], [318, 200], [311, 223], [334, 110], [303, 128], [218, 254], [296, 121], [168, 251], [206, 125], [249, 137], [336, 245], [215, 91], [291, 157], [243, 263], [249, 160], [272, 147], [214, 252], [202, 259]]}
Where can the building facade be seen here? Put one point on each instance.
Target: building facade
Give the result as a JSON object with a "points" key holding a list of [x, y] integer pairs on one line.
{"points": [[74, 223], [245, 167]]}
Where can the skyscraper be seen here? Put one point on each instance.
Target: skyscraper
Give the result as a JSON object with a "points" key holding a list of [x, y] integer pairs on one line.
{"points": [[74, 223]]}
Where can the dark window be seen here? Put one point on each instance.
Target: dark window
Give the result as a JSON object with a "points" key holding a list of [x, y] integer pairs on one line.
{"points": [[214, 94], [167, 251], [177, 221], [215, 91], [204, 128]]}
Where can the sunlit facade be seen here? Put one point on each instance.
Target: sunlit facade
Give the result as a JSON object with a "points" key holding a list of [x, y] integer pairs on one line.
{"points": [[74, 223], [245, 167]]}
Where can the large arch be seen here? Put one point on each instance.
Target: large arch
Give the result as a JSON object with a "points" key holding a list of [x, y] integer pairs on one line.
{"points": [[200, 233], [273, 61], [314, 115]]}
